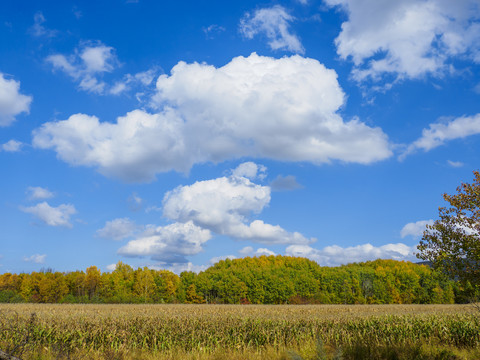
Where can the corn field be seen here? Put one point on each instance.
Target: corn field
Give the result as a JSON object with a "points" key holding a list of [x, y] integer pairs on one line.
{"points": [[157, 329]]}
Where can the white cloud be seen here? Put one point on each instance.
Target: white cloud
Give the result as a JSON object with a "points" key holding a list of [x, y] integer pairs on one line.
{"points": [[37, 258], [415, 229], [439, 133], [98, 58], [118, 229], [135, 148], [12, 102], [477, 88], [223, 205], [212, 30], [216, 259], [285, 183], [249, 251], [283, 109], [246, 251], [91, 61], [143, 78], [264, 251], [250, 170], [336, 255], [88, 62], [217, 204], [60, 62], [455, 164], [407, 38], [52, 216], [12, 146], [170, 244], [153, 208], [38, 29], [92, 84], [178, 268], [38, 193], [118, 88], [274, 23], [135, 202]]}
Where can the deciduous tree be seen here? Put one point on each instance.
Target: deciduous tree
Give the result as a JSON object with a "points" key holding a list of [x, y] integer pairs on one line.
{"points": [[452, 243]]}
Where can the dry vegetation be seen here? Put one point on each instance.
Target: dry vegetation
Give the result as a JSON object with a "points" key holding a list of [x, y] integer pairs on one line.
{"points": [[237, 332]]}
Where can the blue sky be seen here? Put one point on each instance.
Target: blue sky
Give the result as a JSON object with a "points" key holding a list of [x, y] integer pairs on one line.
{"points": [[174, 134]]}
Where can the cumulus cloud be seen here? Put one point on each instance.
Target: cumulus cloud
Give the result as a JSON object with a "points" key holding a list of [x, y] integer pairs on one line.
{"points": [[246, 251], [274, 23], [135, 148], [143, 78], [86, 64], [178, 268], [91, 61], [38, 193], [12, 102], [170, 244], [283, 109], [52, 216], [250, 170], [439, 133], [285, 183], [415, 229], [336, 255], [12, 146], [216, 259], [37, 258], [118, 229], [223, 205], [407, 38], [250, 251]]}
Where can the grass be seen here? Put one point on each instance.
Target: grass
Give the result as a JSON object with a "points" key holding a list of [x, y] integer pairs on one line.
{"points": [[232, 332]]}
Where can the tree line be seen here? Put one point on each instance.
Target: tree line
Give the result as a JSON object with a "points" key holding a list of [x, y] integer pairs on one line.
{"points": [[251, 280]]}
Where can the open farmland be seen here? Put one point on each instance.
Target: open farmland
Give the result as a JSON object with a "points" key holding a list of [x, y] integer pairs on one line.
{"points": [[41, 331]]}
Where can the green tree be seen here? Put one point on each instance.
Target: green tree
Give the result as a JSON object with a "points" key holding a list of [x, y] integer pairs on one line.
{"points": [[144, 286], [192, 297], [52, 287], [167, 284], [92, 281], [123, 280], [452, 243], [75, 281]]}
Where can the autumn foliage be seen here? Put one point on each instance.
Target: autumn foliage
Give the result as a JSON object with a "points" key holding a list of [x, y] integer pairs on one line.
{"points": [[251, 280]]}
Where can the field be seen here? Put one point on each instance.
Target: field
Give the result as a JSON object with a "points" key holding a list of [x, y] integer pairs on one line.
{"points": [[41, 331]]}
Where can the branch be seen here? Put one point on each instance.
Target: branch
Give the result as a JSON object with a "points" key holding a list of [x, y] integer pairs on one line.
{"points": [[476, 304]]}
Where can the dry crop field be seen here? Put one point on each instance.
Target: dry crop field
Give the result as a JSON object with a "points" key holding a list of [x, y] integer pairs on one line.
{"points": [[42, 331]]}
